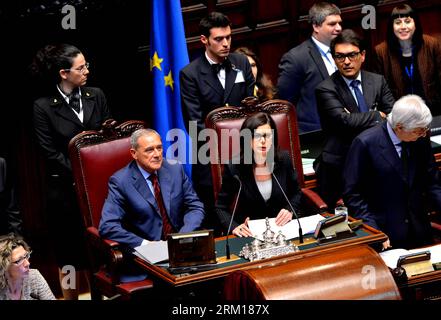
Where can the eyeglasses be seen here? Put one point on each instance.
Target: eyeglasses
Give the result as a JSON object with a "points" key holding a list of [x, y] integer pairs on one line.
{"points": [[421, 131], [20, 261], [81, 69], [339, 57], [266, 136]]}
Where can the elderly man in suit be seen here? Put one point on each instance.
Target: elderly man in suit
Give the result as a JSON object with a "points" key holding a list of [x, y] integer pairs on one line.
{"points": [[149, 198], [215, 79], [302, 68], [349, 102], [390, 175]]}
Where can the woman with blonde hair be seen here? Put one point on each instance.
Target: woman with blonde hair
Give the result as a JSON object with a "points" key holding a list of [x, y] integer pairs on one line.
{"points": [[17, 280]]}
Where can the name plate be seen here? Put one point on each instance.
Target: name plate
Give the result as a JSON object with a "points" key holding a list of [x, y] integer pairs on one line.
{"points": [[416, 263]]}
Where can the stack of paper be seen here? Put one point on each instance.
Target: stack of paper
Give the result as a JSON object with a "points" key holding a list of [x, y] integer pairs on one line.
{"points": [[307, 164], [390, 257], [289, 230], [153, 252]]}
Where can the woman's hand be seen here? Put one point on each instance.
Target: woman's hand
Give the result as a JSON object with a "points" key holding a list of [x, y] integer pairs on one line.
{"points": [[283, 217], [243, 230]]}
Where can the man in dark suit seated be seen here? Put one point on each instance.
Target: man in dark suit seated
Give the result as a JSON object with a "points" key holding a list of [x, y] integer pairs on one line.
{"points": [[390, 175], [215, 79], [149, 198], [302, 68], [349, 102]]}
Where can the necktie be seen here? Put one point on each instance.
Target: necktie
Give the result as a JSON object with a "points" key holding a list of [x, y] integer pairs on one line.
{"points": [[226, 64], [331, 60], [74, 99], [360, 98], [405, 158], [166, 225]]}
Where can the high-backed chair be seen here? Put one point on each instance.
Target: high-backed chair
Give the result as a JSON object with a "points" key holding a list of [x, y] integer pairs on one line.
{"points": [[95, 156], [226, 121]]}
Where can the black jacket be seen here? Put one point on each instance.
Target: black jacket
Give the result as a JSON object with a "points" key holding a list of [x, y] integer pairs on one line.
{"points": [[339, 114], [55, 124], [251, 203], [202, 92]]}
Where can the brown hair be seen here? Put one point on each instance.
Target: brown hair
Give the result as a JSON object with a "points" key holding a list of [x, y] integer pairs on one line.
{"points": [[266, 90], [8, 243]]}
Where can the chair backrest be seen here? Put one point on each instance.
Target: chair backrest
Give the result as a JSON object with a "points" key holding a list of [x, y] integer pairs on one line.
{"points": [[95, 156], [226, 121]]}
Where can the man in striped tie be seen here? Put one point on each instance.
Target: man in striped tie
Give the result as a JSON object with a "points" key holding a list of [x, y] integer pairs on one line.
{"points": [[150, 197]]}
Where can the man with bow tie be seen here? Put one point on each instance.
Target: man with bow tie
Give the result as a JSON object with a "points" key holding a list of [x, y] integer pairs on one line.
{"points": [[215, 79]]}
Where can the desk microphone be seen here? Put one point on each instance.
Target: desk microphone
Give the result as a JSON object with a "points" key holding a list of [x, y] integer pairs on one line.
{"points": [[227, 245], [293, 211]]}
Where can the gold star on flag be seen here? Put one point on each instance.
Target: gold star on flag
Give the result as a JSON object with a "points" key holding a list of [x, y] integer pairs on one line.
{"points": [[155, 62], [169, 80]]}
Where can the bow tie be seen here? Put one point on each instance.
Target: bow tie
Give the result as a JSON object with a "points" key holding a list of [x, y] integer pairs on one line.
{"points": [[74, 99], [224, 65]]}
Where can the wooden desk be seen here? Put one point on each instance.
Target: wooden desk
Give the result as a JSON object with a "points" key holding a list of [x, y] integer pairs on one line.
{"points": [[350, 273], [425, 286], [209, 283]]}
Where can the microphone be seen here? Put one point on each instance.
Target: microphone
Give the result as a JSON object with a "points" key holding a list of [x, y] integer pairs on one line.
{"points": [[293, 211], [227, 245]]}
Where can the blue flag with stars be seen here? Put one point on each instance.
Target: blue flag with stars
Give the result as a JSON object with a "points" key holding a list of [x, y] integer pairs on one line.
{"points": [[168, 55]]}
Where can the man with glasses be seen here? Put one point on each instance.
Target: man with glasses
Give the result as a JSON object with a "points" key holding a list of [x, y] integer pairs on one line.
{"points": [[390, 175], [348, 102]]}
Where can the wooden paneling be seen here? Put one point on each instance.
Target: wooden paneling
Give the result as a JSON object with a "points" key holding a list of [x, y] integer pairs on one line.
{"points": [[271, 28], [115, 35], [266, 11]]}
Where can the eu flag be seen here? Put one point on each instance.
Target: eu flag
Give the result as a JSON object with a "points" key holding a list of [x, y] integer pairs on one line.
{"points": [[168, 55]]}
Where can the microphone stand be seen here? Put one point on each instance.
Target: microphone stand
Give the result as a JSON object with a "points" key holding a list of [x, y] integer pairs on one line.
{"points": [[227, 244], [293, 211]]}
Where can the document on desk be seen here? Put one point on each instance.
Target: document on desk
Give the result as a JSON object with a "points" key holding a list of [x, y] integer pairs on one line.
{"points": [[307, 164], [390, 257], [153, 252], [435, 253], [436, 139], [289, 230]]}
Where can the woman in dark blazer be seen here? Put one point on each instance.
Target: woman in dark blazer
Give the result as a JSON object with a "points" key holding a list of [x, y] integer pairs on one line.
{"points": [[260, 164], [410, 60], [68, 109]]}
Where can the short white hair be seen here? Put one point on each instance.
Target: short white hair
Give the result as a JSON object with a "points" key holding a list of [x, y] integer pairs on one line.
{"points": [[411, 112], [140, 133]]}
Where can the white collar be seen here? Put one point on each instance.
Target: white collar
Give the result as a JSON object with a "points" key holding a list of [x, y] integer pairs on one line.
{"points": [[348, 81], [321, 45]]}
